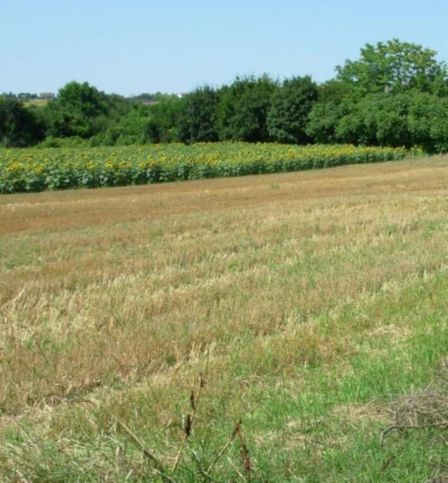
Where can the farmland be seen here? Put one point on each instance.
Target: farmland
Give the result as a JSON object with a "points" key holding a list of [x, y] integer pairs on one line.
{"points": [[312, 306], [30, 170]]}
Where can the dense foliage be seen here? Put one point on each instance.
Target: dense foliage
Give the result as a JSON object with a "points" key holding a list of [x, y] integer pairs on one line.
{"points": [[394, 67], [289, 110], [23, 170], [243, 108], [406, 119], [197, 120], [18, 126], [395, 94]]}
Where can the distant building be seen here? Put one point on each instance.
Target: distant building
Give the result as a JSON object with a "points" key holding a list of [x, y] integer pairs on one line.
{"points": [[47, 95], [26, 95], [149, 102]]}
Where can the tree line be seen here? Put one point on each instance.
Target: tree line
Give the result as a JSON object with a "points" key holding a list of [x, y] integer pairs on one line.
{"points": [[394, 94]]}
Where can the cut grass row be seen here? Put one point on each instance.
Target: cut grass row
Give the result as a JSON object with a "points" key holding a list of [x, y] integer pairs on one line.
{"points": [[33, 170]]}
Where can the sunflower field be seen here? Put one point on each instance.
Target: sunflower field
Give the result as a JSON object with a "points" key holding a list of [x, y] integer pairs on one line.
{"points": [[31, 170]]}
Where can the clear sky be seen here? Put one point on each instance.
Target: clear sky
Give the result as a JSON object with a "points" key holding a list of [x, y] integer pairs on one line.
{"points": [[134, 46]]}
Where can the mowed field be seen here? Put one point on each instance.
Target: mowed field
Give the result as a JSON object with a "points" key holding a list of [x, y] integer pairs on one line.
{"points": [[140, 325]]}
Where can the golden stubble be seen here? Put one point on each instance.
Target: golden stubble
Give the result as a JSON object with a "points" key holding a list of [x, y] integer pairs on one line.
{"points": [[118, 285]]}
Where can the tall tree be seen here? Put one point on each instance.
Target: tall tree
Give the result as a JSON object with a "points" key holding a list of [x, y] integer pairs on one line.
{"points": [[19, 126], [243, 108], [290, 106], [197, 117], [77, 110], [162, 126], [394, 66]]}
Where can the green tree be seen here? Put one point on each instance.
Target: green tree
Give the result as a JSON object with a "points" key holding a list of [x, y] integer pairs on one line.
{"points": [[410, 118], [394, 66], [130, 127], [335, 99], [78, 110], [19, 126], [197, 120], [324, 118], [290, 106], [243, 108], [336, 91], [162, 126]]}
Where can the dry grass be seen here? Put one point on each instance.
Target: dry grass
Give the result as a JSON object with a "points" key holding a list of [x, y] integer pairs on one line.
{"points": [[118, 295]]}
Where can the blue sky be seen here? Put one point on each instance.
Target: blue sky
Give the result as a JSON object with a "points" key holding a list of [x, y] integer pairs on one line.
{"points": [[137, 46]]}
